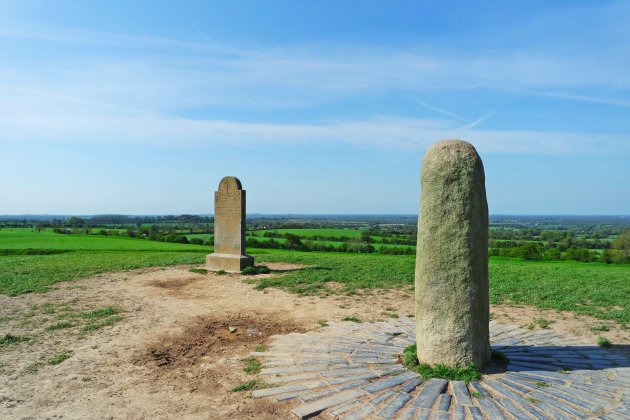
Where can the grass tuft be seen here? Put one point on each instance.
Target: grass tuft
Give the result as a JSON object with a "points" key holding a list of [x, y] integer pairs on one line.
{"points": [[603, 342], [8, 339], [261, 348], [59, 358], [467, 373], [198, 270], [351, 319], [100, 313], [600, 328], [250, 385], [256, 269], [253, 366], [60, 326]]}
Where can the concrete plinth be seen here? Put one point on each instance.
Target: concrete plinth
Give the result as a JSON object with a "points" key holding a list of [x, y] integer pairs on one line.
{"points": [[228, 262]]}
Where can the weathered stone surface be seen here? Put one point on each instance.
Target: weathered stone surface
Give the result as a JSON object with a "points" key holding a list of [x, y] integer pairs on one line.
{"points": [[229, 228], [452, 303]]}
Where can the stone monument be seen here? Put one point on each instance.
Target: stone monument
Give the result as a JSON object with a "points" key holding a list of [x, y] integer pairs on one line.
{"points": [[229, 228], [452, 302]]}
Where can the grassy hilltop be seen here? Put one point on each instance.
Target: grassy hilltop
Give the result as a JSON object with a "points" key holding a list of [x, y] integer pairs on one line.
{"points": [[30, 261]]}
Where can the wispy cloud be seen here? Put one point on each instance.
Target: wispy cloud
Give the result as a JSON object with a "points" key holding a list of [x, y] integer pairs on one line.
{"points": [[148, 97]]}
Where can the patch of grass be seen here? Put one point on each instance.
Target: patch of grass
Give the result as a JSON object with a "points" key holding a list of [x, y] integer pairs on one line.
{"points": [[59, 358], [322, 323], [541, 384], [533, 400], [198, 270], [476, 394], [261, 348], [467, 373], [4, 318], [220, 272], [390, 314], [80, 256], [250, 386], [351, 319], [59, 326], [253, 366], [86, 378], [543, 323], [9, 339], [256, 269], [32, 368], [100, 313], [93, 325], [600, 328], [603, 342]]}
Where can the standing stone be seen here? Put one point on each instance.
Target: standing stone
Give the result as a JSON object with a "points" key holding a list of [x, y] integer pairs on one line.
{"points": [[452, 303], [229, 228]]}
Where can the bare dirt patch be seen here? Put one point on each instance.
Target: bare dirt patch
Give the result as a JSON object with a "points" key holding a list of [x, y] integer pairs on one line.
{"points": [[172, 354]]}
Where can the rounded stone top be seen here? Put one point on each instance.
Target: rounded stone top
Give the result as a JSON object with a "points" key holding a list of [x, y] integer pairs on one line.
{"points": [[450, 147], [230, 183], [449, 160]]}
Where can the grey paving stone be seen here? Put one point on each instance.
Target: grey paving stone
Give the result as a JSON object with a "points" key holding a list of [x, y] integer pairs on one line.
{"points": [[383, 397], [571, 398], [389, 382], [514, 397], [394, 406], [558, 404], [293, 369], [259, 393], [474, 385], [410, 414], [411, 385], [319, 366], [318, 406], [345, 372], [344, 408], [511, 408], [293, 378], [459, 413], [351, 385], [423, 414], [359, 413], [440, 415], [334, 381], [430, 392], [444, 403], [475, 413], [460, 392], [490, 408]]}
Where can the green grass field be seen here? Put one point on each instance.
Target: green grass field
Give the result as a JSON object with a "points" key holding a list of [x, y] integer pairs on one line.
{"points": [[595, 289], [82, 256], [309, 233]]}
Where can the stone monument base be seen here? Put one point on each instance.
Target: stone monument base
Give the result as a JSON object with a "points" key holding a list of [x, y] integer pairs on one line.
{"points": [[228, 262]]}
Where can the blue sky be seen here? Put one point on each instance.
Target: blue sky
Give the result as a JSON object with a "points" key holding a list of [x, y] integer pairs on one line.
{"points": [[318, 107]]}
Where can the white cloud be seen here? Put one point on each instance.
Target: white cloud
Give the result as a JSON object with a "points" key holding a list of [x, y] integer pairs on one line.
{"points": [[108, 96]]}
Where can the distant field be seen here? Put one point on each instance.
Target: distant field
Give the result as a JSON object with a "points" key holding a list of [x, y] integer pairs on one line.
{"points": [[47, 239], [594, 289], [81, 256], [309, 233]]}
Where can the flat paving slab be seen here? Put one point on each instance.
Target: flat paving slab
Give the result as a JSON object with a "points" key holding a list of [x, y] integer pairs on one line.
{"points": [[350, 370]]}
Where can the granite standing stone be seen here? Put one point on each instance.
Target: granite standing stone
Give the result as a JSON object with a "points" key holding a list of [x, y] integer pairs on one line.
{"points": [[229, 228], [452, 303]]}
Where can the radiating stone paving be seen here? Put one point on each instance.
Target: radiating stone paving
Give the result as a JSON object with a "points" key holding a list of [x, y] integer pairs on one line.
{"points": [[350, 371]]}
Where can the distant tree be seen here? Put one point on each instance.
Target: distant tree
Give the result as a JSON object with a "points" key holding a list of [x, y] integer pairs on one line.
{"points": [[532, 252], [622, 247], [75, 222]]}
